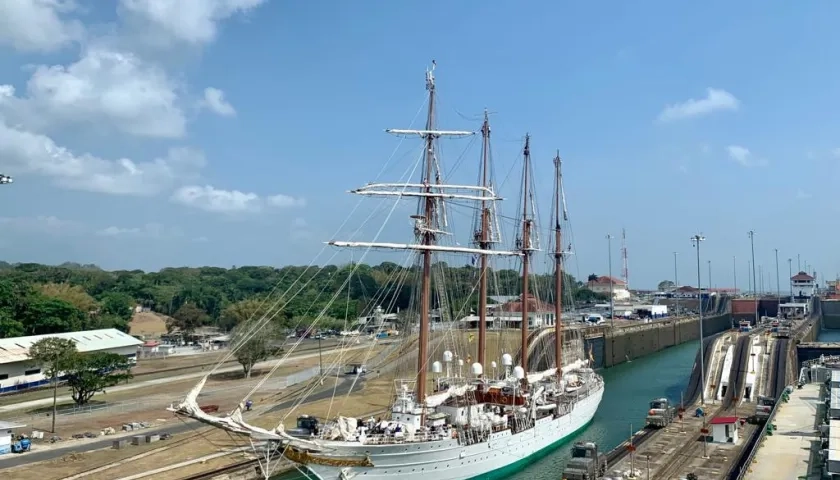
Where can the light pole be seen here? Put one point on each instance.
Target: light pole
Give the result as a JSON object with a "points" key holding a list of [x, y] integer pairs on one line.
{"points": [[734, 277], [710, 276], [790, 275], [676, 288], [749, 280], [778, 284], [696, 239], [755, 283], [609, 259], [798, 264]]}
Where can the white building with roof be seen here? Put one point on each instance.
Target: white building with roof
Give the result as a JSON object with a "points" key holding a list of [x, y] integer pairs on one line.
{"points": [[18, 372]]}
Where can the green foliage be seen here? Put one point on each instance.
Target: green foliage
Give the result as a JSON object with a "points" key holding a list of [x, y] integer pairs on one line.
{"points": [[36, 299], [91, 373], [53, 355], [254, 348], [665, 285]]}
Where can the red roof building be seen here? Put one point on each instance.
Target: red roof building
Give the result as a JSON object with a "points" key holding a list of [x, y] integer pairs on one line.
{"points": [[725, 429], [724, 420], [534, 305], [802, 277]]}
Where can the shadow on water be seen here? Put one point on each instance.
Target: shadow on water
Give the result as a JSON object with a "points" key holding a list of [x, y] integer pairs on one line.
{"points": [[629, 388]]}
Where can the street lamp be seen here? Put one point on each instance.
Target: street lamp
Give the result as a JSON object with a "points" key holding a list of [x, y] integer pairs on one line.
{"points": [[5, 179], [609, 258], [696, 239]]}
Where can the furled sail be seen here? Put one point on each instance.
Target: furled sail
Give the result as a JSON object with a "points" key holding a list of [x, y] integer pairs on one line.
{"points": [[441, 397]]}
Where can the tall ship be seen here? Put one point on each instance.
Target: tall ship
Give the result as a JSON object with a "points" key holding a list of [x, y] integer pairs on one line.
{"points": [[484, 423]]}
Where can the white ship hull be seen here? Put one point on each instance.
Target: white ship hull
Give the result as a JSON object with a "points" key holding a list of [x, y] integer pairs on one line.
{"points": [[503, 454]]}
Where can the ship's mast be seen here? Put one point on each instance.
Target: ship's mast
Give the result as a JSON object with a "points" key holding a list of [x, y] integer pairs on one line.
{"points": [[526, 247], [427, 226], [484, 244], [558, 269], [427, 238]]}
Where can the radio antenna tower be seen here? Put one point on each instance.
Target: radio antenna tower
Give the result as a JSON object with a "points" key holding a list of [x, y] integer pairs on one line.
{"points": [[625, 271]]}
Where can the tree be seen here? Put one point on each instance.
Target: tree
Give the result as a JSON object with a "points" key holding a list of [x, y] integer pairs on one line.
{"points": [[54, 356], [91, 373], [187, 319], [252, 347], [243, 311], [72, 294], [592, 278], [665, 285], [118, 304]]}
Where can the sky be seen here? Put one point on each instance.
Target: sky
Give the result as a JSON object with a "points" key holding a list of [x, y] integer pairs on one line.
{"points": [[154, 133]]}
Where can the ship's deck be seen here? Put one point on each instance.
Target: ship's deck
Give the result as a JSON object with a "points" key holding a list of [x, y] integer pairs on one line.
{"points": [[788, 452]]}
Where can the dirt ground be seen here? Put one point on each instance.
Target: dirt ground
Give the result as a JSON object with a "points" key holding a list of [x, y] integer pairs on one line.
{"points": [[373, 398], [147, 324]]}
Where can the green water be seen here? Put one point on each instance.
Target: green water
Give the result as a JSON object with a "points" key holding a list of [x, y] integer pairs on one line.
{"points": [[629, 388]]}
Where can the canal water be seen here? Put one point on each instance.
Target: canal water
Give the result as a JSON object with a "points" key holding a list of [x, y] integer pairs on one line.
{"points": [[827, 335], [629, 389]]}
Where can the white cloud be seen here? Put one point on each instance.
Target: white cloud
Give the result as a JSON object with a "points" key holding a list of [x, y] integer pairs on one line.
{"points": [[41, 224], [715, 100], [38, 25], [22, 151], [194, 21], [744, 157], [211, 199], [104, 88], [214, 99], [285, 201], [149, 230]]}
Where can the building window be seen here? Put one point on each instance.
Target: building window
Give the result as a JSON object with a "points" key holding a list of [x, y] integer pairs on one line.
{"points": [[34, 371]]}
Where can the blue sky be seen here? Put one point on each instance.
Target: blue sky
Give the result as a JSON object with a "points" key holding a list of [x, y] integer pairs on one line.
{"points": [[144, 134]]}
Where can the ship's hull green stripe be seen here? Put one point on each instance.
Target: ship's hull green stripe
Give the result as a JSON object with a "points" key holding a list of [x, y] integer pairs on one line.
{"points": [[518, 465]]}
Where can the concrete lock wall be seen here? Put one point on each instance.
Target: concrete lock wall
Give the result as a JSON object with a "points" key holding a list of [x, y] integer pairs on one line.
{"points": [[830, 314], [630, 342]]}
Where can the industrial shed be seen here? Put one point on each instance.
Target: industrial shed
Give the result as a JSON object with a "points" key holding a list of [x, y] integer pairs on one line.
{"points": [[17, 372]]}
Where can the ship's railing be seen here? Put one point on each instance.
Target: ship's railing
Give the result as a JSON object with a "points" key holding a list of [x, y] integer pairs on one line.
{"points": [[391, 438]]}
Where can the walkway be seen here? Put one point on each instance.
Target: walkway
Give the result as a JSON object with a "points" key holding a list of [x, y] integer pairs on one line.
{"points": [[786, 453], [32, 404]]}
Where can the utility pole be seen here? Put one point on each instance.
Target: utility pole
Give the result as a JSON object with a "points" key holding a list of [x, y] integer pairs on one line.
{"points": [[755, 283], [798, 264], [696, 239], [625, 270], [676, 287], [609, 259]]}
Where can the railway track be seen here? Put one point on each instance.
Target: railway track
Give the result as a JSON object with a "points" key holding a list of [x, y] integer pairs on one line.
{"points": [[780, 367], [690, 449], [220, 471]]}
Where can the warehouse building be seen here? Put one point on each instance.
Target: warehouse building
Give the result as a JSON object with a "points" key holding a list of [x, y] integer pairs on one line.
{"points": [[18, 372]]}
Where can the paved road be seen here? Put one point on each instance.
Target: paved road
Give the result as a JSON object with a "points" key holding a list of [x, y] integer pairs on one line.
{"points": [[146, 383]]}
